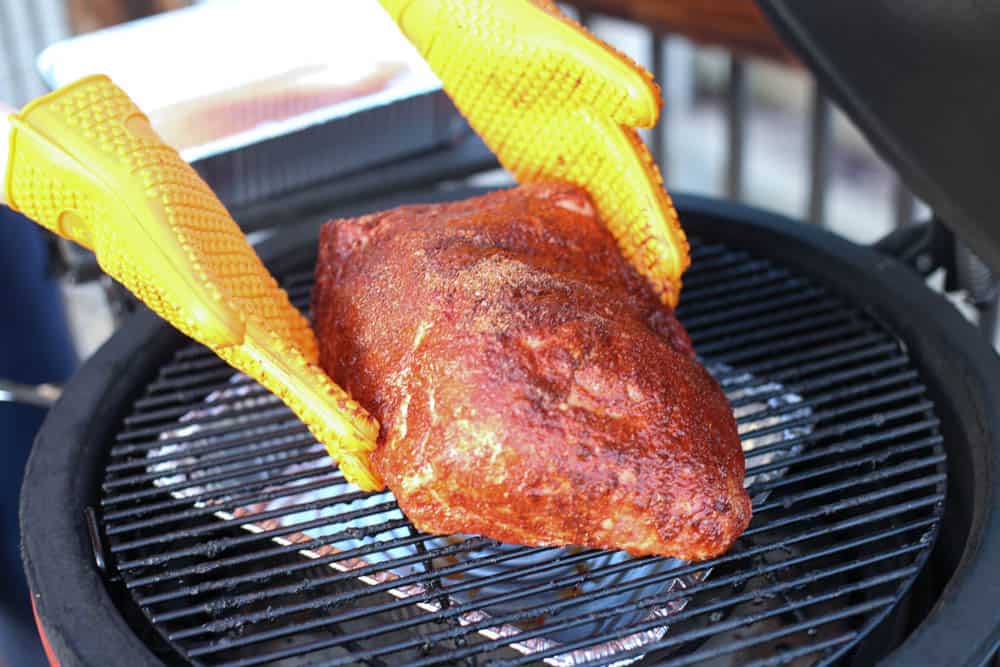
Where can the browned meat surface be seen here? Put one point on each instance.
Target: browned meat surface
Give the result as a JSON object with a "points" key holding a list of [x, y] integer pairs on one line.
{"points": [[530, 388]]}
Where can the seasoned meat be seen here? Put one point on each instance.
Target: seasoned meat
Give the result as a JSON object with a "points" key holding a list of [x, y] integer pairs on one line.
{"points": [[530, 387]]}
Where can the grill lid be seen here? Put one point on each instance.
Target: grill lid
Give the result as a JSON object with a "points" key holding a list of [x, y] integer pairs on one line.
{"points": [[918, 79]]}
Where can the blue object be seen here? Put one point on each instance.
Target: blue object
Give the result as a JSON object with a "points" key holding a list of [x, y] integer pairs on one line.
{"points": [[35, 347]]}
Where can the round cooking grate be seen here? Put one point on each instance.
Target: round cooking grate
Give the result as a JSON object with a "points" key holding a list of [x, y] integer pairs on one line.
{"points": [[229, 532]]}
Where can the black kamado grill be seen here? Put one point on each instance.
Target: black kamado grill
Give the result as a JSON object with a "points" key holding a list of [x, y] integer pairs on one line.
{"points": [[175, 513]]}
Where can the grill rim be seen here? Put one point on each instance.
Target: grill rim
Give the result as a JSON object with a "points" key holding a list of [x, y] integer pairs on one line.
{"points": [[67, 462]]}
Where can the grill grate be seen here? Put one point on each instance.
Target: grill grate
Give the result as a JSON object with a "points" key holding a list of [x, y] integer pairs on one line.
{"points": [[240, 544]]}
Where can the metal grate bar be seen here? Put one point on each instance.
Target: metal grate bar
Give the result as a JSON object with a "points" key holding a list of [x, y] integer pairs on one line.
{"points": [[763, 638], [840, 448], [192, 380], [298, 278], [218, 461], [316, 543], [561, 582], [855, 501], [854, 445], [700, 589], [246, 490], [153, 416], [209, 361], [242, 520], [261, 420], [846, 320], [265, 429], [878, 476], [164, 414], [753, 330], [467, 545], [192, 351], [694, 296], [871, 402], [813, 454], [220, 545], [202, 447], [729, 602], [840, 411], [775, 285], [844, 427], [827, 380], [180, 486], [155, 399], [772, 348], [656, 601], [190, 366], [548, 608], [299, 292], [701, 248], [327, 601], [734, 623], [831, 355], [264, 404], [321, 622], [693, 283], [847, 391], [280, 570], [698, 300], [843, 430], [274, 552], [451, 612], [788, 655], [205, 449], [722, 260], [787, 297], [229, 505]]}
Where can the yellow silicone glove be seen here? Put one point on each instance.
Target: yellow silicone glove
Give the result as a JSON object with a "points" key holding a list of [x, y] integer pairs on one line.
{"points": [[555, 103], [85, 163]]}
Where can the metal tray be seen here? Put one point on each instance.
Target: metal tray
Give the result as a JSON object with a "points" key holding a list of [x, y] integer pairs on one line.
{"points": [[265, 98]]}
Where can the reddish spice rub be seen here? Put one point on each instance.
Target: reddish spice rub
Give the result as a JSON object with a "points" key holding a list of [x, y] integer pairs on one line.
{"points": [[530, 387]]}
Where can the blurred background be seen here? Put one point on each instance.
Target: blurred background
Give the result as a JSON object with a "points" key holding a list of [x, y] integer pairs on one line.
{"points": [[741, 120], [744, 122]]}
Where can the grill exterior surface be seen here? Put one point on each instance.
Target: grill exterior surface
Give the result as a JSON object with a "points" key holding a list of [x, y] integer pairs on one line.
{"points": [[209, 542]]}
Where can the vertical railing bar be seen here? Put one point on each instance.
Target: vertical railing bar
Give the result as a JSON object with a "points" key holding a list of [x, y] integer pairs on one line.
{"points": [[904, 204], [38, 39], [658, 136], [820, 155], [10, 46], [737, 103], [989, 320]]}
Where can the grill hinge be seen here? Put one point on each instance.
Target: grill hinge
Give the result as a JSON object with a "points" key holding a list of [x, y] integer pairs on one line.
{"points": [[96, 544]]}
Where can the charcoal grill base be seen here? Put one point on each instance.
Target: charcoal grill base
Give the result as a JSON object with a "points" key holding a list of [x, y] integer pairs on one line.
{"points": [[80, 610]]}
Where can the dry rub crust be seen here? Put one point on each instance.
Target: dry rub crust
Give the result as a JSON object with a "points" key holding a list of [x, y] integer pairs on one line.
{"points": [[530, 387]]}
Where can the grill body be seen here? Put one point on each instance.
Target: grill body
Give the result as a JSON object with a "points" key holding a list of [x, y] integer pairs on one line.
{"points": [[934, 366]]}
